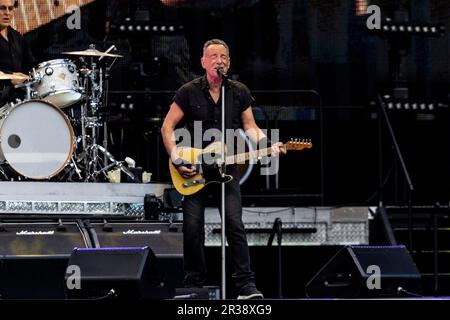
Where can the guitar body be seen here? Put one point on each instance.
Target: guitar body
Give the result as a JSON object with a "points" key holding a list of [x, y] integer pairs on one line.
{"points": [[207, 173]]}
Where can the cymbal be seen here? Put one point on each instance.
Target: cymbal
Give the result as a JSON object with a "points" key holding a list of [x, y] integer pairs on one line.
{"points": [[93, 53], [13, 76]]}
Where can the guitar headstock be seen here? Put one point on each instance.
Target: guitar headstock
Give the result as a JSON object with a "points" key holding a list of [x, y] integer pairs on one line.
{"points": [[298, 144]]}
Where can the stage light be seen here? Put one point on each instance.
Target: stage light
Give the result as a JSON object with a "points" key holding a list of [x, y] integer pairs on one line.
{"points": [[128, 26], [389, 27], [408, 104]]}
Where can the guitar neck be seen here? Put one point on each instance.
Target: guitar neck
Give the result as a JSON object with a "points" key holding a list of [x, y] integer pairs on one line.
{"points": [[32, 14], [242, 157]]}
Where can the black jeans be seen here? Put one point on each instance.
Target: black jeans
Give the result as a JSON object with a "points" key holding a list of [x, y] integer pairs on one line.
{"points": [[194, 234]]}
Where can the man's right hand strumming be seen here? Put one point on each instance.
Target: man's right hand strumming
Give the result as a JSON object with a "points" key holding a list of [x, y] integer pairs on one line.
{"points": [[185, 168]]}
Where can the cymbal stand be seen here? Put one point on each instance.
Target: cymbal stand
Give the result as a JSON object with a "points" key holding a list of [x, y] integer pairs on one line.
{"points": [[91, 120], [105, 104]]}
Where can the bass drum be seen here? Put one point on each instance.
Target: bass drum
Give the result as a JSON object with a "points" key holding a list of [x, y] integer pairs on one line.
{"points": [[36, 139]]}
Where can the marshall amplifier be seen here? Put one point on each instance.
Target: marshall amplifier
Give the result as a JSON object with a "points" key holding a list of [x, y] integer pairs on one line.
{"points": [[164, 239], [41, 238], [34, 257]]}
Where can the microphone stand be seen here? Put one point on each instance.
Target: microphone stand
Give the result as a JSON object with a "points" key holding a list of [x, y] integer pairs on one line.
{"points": [[383, 112], [222, 154]]}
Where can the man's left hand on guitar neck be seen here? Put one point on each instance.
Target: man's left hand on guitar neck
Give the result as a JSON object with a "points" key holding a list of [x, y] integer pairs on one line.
{"points": [[277, 149]]}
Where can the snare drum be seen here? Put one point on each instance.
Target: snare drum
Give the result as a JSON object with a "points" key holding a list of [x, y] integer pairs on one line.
{"points": [[36, 139], [56, 81]]}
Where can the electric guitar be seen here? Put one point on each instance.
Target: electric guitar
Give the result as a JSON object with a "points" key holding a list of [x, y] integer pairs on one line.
{"points": [[209, 171]]}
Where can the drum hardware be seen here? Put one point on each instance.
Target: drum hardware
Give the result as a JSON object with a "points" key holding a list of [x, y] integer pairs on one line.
{"points": [[71, 170], [94, 80], [2, 172], [29, 94]]}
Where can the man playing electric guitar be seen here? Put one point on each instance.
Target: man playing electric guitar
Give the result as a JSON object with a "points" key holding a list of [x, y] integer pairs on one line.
{"points": [[200, 100]]}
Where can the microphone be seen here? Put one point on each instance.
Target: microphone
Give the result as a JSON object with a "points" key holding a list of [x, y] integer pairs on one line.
{"points": [[222, 73]]}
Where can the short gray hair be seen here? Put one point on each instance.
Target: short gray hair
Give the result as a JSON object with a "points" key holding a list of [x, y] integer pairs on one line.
{"points": [[215, 41]]}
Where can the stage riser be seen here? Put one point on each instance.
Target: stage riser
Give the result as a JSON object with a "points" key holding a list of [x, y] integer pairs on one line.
{"points": [[300, 226], [59, 198]]}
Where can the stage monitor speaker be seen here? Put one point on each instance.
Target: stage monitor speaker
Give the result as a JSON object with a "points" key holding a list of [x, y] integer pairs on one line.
{"points": [[125, 273], [39, 238], [165, 240], [367, 272]]}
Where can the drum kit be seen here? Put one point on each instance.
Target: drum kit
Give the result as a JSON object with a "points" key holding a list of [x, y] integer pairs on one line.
{"points": [[39, 140]]}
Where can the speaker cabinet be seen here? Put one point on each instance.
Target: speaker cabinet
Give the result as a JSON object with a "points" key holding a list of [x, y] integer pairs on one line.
{"points": [[366, 272], [164, 239], [126, 273], [41, 238], [33, 277]]}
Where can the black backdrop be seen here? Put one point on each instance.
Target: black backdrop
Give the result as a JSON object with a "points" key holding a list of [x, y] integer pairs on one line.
{"points": [[293, 44]]}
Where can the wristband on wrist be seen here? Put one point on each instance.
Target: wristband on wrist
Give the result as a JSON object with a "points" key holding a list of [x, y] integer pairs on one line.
{"points": [[178, 162]]}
